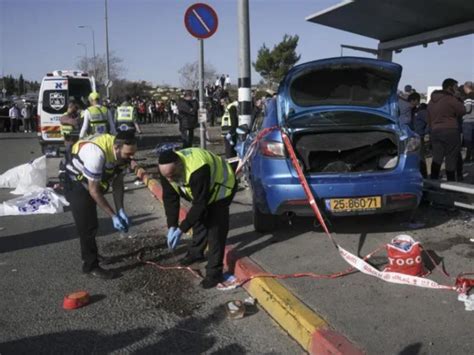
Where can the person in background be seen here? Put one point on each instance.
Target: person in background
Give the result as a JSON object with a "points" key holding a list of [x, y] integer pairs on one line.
{"points": [[444, 110], [468, 121], [14, 114], [229, 124], [126, 117], [227, 82], [420, 125], [405, 106], [26, 116], [98, 119], [188, 118]]}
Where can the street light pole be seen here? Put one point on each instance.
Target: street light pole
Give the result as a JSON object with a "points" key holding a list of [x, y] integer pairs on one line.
{"points": [[87, 58], [94, 60], [107, 51]]}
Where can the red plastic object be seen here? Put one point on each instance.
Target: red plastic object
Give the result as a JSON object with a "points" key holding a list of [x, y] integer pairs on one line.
{"points": [[76, 300]]}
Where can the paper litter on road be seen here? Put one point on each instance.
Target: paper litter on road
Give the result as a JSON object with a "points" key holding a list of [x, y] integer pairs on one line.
{"points": [[468, 301]]}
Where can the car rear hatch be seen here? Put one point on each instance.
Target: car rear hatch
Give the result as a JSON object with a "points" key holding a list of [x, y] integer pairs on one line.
{"points": [[348, 82], [341, 114]]}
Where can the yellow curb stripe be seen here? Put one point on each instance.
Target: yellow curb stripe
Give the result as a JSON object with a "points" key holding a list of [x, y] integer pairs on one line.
{"points": [[292, 315]]}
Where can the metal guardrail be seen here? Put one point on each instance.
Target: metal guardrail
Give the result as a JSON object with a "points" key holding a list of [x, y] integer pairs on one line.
{"points": [[451, 194]]}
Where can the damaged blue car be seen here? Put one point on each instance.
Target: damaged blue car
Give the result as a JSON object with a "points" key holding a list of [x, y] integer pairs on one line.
{"points": [[342, 117]]}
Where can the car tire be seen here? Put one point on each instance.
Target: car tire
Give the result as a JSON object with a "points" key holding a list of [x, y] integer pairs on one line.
{"points": [[262, 222]]}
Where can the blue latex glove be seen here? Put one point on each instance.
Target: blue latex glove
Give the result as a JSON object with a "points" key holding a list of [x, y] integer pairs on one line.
{"points": [[124, 217], [175, 237], [119, 224], [170, 235]]}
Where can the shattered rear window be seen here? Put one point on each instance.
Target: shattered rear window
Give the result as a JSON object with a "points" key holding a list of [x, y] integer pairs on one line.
{"points": [[343, 85]]}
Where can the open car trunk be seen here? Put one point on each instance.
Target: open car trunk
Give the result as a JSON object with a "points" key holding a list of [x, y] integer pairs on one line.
{"points": [[345, 152]]}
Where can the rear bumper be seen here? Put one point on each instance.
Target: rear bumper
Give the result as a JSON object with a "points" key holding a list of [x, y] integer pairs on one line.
{"points": [[399, 192], [390, 204]]}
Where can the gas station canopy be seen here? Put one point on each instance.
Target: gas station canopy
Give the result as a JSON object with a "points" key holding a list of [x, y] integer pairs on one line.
{"points": [[402, 23]]}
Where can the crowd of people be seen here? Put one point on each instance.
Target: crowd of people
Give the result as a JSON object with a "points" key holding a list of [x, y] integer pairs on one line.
{"points": [[445, 125], [18, 118]]}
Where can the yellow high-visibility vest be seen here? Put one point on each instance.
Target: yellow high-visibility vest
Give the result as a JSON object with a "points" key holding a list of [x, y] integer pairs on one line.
{"points": [[222, 176]]}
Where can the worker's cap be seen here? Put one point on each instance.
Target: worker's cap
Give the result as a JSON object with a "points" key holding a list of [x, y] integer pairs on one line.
{"points": [[168, 157], [408, 88], [94, 95]]}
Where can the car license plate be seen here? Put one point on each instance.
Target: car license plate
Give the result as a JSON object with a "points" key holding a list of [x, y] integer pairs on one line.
{"points": [[354, 204], [54, 135]]}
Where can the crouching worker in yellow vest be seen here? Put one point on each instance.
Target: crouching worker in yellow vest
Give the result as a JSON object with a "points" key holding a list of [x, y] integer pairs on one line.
{"points": [[96, 164], [98, 119], [208, 182], [126, 118]]}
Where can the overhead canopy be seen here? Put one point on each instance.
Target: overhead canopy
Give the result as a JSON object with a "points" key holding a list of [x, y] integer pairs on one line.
{"points": [[401, 23]]}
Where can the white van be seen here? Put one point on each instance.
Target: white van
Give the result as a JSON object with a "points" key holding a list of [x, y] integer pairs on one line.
{"points": [[57, 88]]}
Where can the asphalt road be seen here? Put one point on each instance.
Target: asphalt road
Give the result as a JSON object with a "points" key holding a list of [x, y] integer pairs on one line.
{"points": [[379, 317], [140, 312], [146, 310]]}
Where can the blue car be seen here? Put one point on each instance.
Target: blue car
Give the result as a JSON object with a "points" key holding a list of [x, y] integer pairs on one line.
{"points": [[341, 115]]}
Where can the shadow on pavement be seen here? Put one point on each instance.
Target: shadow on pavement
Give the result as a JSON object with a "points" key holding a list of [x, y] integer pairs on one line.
{"points": [[195, 332], [248, 242], [75, 342], [57, 234]]}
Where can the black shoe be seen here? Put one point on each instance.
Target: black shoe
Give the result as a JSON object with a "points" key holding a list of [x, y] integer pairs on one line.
{"points": [[210, 282], [102, 273], [104, 260], [188, 260]]}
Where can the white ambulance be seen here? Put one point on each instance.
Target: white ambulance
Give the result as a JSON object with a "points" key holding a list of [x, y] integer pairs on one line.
{"points": [[57, 89]]}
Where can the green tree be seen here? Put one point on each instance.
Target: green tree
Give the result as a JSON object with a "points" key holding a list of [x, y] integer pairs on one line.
{"points": [[273, 64], [21, 85]]}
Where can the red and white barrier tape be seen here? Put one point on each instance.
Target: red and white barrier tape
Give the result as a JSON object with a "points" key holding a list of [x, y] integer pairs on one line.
{"points": [[462, 284]]}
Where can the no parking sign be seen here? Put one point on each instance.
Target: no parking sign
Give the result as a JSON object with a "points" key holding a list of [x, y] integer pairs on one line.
{"points": [[201, 20]]}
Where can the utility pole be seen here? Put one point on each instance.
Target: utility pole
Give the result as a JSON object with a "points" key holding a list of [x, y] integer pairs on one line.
{"points": [[202, 125], [107, 67], [244, 81]]}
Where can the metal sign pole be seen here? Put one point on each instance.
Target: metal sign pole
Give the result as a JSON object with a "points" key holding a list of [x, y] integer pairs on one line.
{"points": [[202, 130]]}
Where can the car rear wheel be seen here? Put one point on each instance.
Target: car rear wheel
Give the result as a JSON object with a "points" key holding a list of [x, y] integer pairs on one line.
{"points": [[263, 222]]}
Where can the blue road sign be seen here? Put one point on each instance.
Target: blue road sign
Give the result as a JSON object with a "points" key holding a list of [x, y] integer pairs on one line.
{"points": [[201, 20]]}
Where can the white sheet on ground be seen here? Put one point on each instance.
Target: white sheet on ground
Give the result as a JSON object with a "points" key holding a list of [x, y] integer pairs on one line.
{"points": [[25, 178], [37, 202]]}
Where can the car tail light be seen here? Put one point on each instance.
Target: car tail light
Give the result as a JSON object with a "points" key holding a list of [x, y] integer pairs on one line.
{"points": [[412, 144], [272, 149]]}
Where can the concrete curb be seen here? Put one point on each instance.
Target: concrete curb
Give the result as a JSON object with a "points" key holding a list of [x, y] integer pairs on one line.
{"points": [[310, 330]]}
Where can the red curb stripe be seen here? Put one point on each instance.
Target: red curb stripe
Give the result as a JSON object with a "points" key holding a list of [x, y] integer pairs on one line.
{"points": [[323, 341]]}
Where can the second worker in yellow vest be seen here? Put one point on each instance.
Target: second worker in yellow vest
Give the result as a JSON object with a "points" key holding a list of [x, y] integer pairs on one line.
{"points": [[208, 181], [229, 124], [98, 119], [126, 117]]}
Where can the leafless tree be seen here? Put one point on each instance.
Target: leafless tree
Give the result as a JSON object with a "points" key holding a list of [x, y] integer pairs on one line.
{"points": [[189, 75]]}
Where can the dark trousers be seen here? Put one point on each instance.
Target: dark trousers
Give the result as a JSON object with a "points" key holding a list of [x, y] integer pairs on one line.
{"points": [[84, 212], [15, 124], [187, 136], [212, 230], [446, 144], [229, 148]]}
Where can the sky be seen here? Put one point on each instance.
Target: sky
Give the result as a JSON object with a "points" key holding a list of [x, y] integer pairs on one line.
{"points": [[37, 36]]}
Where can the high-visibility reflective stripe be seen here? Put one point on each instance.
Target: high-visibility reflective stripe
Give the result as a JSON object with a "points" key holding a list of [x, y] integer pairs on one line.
{"points": [[223, 188]]}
